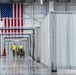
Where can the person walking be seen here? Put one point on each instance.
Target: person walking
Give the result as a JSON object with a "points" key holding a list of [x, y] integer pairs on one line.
{"points": [[14, 48], [21, 51]]}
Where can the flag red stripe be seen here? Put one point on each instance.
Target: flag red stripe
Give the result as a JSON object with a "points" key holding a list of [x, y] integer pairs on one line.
{"points": [[12, 24], [2, 30], [8, 25], [8, 22], [22, 14], [18, 17], [5, 24], [15, 17], [18, 14]]}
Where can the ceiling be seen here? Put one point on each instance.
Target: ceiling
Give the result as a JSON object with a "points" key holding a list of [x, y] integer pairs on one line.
{"points": [[27, 1], [30, 1]]}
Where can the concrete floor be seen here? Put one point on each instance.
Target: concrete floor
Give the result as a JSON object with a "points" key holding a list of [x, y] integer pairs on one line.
{"points": [[21, 66]]}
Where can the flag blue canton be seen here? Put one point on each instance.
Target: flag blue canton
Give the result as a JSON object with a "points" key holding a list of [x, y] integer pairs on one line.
{"points": [[6, 10]]}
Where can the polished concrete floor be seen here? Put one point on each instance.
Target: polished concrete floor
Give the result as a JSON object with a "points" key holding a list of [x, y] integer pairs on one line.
{"points": [[21, 66]]}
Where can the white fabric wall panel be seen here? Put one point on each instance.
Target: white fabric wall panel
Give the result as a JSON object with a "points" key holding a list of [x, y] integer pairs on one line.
{"points": [[71, 38], [45, 49], [73, 41], [63, 39], [47, 43], [43, 44], [58, 44]]}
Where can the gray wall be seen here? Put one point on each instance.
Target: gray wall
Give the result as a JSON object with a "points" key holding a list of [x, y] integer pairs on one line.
{"points": [[65, 7]]}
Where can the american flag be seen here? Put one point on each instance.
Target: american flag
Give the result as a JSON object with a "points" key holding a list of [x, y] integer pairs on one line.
{"points": [[12, 16]]}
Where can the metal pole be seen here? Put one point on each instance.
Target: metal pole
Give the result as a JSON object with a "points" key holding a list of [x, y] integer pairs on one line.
{"points": [[4, 43], [8, 48], [33, 44], [30, 46]]}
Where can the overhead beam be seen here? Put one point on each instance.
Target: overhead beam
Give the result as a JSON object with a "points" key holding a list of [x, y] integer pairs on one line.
{"points": [[18, 28], [16, 34], [14, 37], [15, 29]]}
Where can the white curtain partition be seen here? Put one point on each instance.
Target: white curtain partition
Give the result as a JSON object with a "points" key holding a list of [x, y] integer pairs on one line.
{"points": [[45, 43], [63, 40]]}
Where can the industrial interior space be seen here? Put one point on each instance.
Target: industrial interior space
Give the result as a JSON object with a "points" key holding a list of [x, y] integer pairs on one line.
{"points": [[37, 37]]}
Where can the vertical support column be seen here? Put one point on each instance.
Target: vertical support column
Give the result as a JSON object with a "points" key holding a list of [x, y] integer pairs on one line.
{"points": [[54, 69], [2, 44], [8, 48], [53, 35], [9, 44], [27, 45], [30, 46], [33, 45], [37, 46], [53, 45], [36, 43]]}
